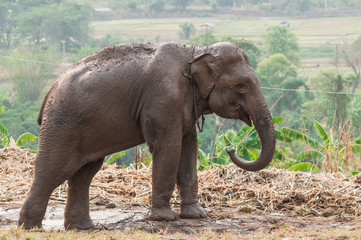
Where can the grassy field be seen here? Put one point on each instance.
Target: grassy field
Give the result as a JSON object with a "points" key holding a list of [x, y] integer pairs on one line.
{"points": [[312, 32], [317, 36]]}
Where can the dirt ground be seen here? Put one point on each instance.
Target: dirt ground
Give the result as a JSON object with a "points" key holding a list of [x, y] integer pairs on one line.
{"points": [[220, 220]]}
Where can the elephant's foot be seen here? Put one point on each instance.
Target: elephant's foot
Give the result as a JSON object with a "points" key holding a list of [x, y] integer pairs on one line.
{"points": [[193, 211], [163, 213], [80, 225], [27, 225]]}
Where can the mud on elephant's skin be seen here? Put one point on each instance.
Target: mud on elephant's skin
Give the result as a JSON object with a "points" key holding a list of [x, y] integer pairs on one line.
{"points": [[125, 95]]}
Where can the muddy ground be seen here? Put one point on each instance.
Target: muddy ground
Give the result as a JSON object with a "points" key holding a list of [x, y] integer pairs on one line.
{"points": [[220, 219]]}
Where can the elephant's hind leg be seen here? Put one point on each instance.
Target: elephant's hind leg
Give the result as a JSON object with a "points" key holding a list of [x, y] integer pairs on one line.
{"points": [[77, 207], [49, 173]]}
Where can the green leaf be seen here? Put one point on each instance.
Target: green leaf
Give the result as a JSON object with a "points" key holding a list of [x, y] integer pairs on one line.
{"points": [[358, 140], [296, 135], [2, 109], [201, 155], [245, 130], [220, 161], [321, 132], [254, 153], [281, 137], [25, 137], [277, 120], [114, 157], [5, 136], [278, 155], [306, 166], [309, 154], [356, 148], [229, 136]]}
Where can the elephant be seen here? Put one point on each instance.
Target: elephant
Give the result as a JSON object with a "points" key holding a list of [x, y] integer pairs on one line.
{"points": [[128, 94]]}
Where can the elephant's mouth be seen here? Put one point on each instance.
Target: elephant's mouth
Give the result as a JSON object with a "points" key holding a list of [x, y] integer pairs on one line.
{"points": [[245, 117]]}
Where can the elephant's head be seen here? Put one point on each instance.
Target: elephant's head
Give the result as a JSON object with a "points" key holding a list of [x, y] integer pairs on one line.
{"points": [[225, 78]]}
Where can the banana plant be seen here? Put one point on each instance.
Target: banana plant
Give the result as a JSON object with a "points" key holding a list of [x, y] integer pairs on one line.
{"points": [[114, 157], [246, 142], [329, 153]]}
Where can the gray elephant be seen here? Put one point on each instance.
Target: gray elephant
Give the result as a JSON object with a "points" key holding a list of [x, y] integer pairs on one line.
{"points": [[125, 95]]}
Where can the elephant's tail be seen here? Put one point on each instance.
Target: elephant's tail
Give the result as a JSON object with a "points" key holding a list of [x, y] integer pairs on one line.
{"points": [[40, 116]]}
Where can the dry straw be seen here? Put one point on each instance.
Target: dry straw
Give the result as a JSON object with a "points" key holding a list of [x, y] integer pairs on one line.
{"points": [[266, 191]]}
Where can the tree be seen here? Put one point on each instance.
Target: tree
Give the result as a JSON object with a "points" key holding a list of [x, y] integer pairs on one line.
{"points": [[6, 23], [253, 53], [352, 56], [203, 39], [25, 5], [333, 85], [29, 77], [67, 20], [278, 72], [225, 3], [132, 5], [275, 70], [279, 39], [10, 10], [157, 6], [181, 4], [70, 22], [31, 23], [188, 29], [303, 5]]}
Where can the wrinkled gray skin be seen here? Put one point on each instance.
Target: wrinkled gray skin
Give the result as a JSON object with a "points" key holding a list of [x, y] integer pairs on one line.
{"points": [[125, 95]]}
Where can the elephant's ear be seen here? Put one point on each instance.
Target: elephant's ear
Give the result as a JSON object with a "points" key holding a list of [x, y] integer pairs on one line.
{"points": [[204, 73]]}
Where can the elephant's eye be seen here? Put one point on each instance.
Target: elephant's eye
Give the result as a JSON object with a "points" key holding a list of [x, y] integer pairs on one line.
{"points": [[242, 87]]}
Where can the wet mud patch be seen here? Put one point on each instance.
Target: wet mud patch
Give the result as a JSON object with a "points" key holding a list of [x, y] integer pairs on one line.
{"points": [[219, 220]]}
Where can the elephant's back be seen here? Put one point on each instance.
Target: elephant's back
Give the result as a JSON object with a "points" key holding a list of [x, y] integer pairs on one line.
{"points": [[106, 79]]}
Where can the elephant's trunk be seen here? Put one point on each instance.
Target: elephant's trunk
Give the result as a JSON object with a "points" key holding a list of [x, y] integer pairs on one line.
{"points": [[265, 129]]}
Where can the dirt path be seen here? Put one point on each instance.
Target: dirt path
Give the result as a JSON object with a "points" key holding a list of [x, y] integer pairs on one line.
{"points": [[226, 219]]}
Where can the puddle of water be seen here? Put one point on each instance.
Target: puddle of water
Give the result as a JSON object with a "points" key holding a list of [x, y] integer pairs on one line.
{"points": [[54, 217]]}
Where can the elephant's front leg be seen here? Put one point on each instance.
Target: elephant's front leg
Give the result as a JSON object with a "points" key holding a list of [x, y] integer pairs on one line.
{"points": [[187, 180], [166, 154]]}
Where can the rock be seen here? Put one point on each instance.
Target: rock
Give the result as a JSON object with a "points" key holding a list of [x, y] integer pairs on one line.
{"points": [[100, 203], [244, 209], [111, 205], [328, 213]]}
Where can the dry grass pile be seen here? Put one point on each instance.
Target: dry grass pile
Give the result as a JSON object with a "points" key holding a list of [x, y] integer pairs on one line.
{"points": [[271, 191]]}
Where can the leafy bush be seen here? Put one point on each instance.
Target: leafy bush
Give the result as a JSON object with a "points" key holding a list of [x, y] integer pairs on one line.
{"points": [[20, 118], [6, 139]]}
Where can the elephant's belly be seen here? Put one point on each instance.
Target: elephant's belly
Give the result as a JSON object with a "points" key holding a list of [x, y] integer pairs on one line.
{"points": [[109, 138]]}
